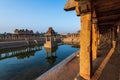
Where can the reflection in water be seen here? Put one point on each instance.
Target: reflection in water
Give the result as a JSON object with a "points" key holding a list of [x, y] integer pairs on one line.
{"points": [[20, 53], [20, 63], [51, 54]]}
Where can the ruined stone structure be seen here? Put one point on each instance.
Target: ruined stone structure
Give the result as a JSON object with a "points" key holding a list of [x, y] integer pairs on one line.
{"points": [[50, 38], [100, 23], [22, 31], [72, 38], [22, 35]]}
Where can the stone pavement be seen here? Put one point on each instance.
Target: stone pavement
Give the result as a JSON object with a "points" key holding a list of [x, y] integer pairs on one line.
{"points": [[112, 68]]}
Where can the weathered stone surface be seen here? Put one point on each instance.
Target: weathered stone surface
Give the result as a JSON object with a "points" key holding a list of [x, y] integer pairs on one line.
{"points": [[94, 41], [70, 5], [85, 42], [103, 64], [106, 20], [119, 32], [50, 39]]}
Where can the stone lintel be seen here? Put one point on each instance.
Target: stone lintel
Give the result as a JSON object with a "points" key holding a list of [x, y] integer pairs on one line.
{"points": [[81, 6], [70, 5]]}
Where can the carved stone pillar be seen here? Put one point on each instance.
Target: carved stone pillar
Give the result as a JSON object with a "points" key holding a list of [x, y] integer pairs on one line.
{"points": [[83, 9], [111, 36], [94, 41], [115, 33], [94, 35], [118, 32], [98, 37], [85, 39], [85, 50]]}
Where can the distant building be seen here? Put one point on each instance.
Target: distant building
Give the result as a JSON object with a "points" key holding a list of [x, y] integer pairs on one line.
{"points": [[22, 31], [22, 34]]}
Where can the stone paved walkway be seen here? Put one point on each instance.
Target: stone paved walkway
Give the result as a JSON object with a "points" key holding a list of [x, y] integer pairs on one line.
{"points": [[112, 68], [102, 53]]}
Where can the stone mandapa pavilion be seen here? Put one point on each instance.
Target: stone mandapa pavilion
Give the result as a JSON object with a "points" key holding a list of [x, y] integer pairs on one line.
{"points": [[99, 18], [50, 38]]}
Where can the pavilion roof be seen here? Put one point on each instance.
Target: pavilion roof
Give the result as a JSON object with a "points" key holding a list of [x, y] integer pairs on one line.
{"points": [[50, 32]]}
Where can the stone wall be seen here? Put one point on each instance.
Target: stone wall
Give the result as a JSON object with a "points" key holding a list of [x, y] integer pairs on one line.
{"points": [[71, 40], [12, 44], [16, 37]]}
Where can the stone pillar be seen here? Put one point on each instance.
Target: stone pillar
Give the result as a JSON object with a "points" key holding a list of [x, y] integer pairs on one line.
{"points": [[119, 32], [114, 37], [115, 33], [94, 41], [111, 36], [94, 35], [98, 37], [50, 38], [46, 38], [85, 50]]}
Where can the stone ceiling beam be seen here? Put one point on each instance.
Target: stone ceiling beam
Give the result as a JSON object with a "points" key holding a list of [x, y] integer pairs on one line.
{"points": [[110, 17], [108, 20], [106, 13], [108, 9], [107, 23], [105, 2]]}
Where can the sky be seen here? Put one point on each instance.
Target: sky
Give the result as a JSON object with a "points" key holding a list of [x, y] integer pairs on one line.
{"points": [[37, 15]]}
